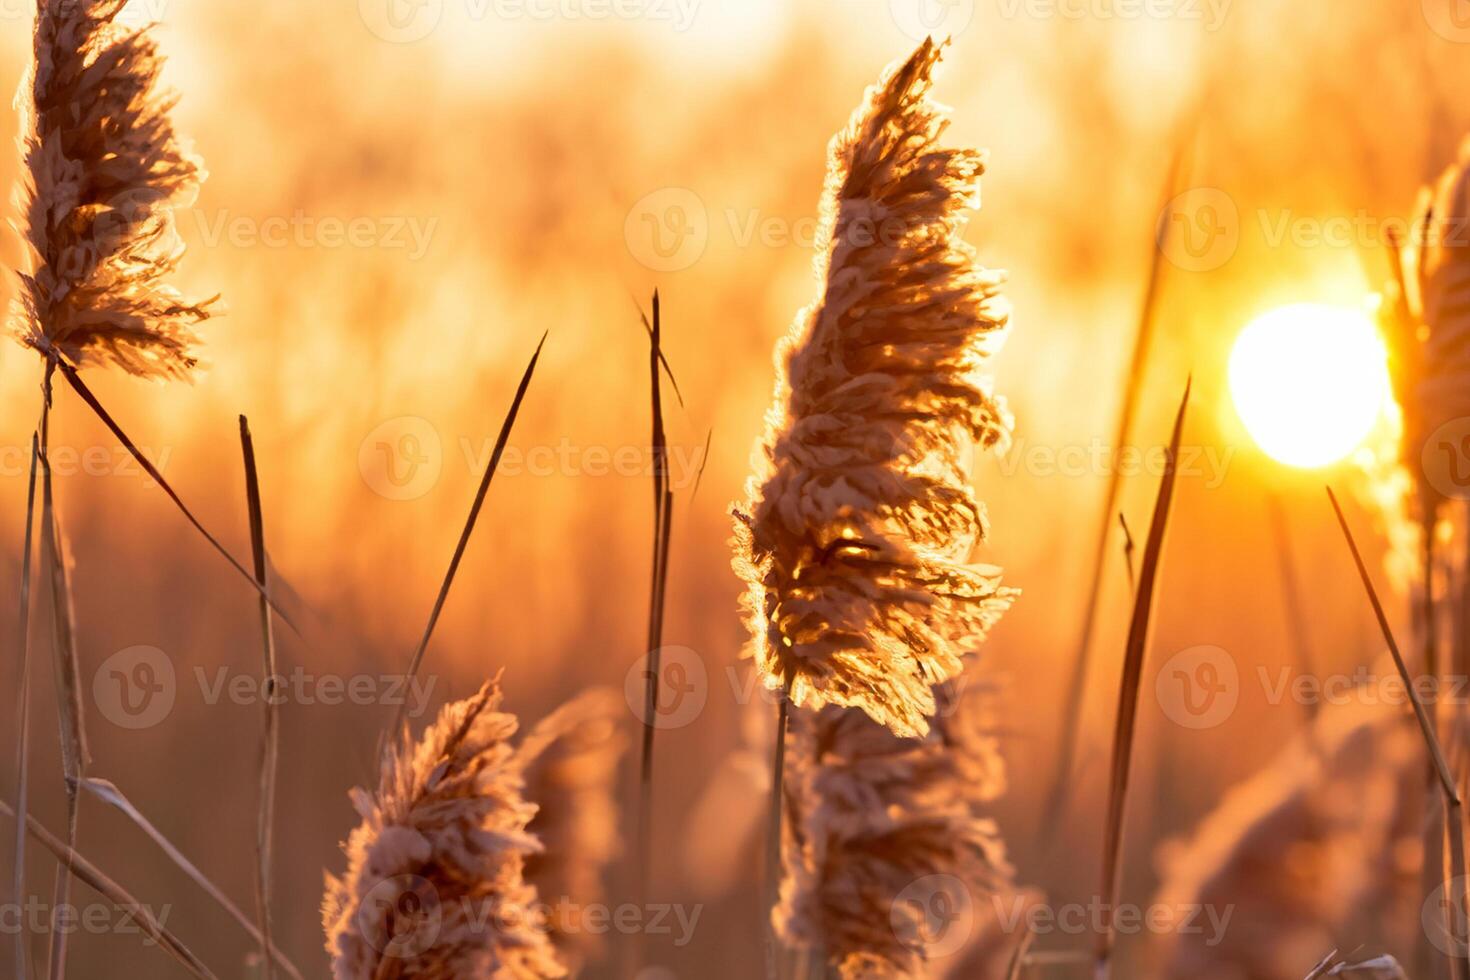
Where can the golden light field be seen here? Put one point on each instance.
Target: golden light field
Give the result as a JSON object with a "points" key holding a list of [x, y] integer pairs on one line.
{"points": [[401, 200]]}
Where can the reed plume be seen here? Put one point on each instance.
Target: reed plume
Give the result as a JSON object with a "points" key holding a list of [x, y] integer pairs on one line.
{"points": [[435, 884], [877, 826], [859, 518], [1308, 852], [570, 760], [105, 169], [1437, 275]]}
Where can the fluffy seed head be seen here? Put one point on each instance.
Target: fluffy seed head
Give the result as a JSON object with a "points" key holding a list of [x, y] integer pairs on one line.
{"points": [[105, 169], [859, 518], [435, 884], [883, 835]]}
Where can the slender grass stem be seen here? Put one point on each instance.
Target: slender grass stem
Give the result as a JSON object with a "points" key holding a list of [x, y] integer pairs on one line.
{"points": [[773, 834], [23, 717], [270, 733]]}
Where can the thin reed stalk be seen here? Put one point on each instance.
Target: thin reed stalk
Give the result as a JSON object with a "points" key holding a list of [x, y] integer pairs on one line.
{"points": [[74, 754], [464, 538], [772, 881], [270, 734], [23, 717], [1071, 711], [1123, 731], [1456, 885], [663, 506]]}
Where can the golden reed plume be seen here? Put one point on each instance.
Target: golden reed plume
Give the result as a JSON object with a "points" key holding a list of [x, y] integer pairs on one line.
{"points": [[1428, 315], [105, 171], [859, 518], [882, 831], [435, 884]]}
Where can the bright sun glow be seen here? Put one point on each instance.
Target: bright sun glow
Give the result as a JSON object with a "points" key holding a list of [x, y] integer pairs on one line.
{"points": [[1309, 382]]}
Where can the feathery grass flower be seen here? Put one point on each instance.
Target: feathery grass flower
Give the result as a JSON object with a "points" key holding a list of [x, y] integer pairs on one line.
{"points": [[883, 834], [105, 171], [859, 519], [435, 883]]}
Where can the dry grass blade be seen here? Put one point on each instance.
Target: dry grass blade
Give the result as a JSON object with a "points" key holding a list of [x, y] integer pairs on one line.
{"points": [[74, 755], [108, 793], [1455, 910], [78, 385], [1071, 714], [663, 506], [668, 368], [464, 535], [270, 735], [23, 713], [89, 874], [1133, 655]]}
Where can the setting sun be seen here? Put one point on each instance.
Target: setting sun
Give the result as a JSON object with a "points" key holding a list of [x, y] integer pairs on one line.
{"points": [[1309, 381]]}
